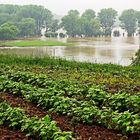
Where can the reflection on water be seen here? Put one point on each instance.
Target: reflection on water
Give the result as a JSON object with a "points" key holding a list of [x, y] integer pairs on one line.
{"points": [[103, 50]]}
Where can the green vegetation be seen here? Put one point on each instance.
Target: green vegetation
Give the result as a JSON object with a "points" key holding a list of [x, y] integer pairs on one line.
{"points": [[27, 27], [107, 18], [86, 25], [136, 59], [81, 93], [34, 43], [43, 128], [75, 90], [29, 20], [128, 19], [8, 31], [97, 107]]}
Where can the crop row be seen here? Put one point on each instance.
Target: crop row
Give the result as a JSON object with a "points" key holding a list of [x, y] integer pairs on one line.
{"points": [[120, 101], [43, 129], [112, 82], [86, 111]]}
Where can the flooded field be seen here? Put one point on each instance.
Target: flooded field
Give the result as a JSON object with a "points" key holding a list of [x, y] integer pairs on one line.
{"points": [[101, 50]]}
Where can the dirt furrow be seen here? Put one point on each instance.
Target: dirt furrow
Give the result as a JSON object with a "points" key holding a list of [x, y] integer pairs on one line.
{"points": [[81, 131], [8, 134]]}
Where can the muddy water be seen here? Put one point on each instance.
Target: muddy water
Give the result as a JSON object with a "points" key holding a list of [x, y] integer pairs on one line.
{"points": [[101, 50]]}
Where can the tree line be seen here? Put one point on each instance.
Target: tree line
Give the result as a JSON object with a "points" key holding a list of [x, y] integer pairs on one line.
{"points": [[89, 24], [27, 21]]}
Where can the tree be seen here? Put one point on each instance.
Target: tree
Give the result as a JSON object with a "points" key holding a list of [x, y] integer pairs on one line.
{"points": [[89, 14], [9, 9], [107, 18], [8, 13], [8, 31], [47, 17], [128, 19], [27, 27], [17, 14], [54, 26], [70, 23], [90, 27], [138, 18], [38, 13], [4, 17]]}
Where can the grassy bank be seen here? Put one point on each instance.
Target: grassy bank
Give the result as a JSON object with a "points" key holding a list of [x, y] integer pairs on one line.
{"points": [[34, 43], [50, 61], [46, 60]]}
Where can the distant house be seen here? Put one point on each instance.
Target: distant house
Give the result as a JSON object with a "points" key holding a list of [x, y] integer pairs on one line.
{"points": [[62, 31], [122, 31]]}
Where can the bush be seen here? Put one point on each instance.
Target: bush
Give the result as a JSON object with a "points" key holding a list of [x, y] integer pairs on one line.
{"points": [[136, 60], [62, 35], [51, 34], [116, 33]]}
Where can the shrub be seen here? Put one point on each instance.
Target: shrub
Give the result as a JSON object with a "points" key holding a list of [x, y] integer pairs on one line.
{"points": [[51, 34], [136, 60]]}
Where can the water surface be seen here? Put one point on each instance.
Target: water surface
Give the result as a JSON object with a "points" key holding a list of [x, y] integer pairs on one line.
{"points": [[101, 50]]}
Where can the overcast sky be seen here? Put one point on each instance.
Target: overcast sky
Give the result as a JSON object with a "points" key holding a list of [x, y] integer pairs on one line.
{"points": [[61, 7]]}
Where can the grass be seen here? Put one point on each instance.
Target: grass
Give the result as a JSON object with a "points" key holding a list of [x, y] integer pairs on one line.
{"points": [[46, 60], [58, 62], [34, 43]]}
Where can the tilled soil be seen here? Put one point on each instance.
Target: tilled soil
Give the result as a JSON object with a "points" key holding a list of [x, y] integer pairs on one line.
{"points": [[81, 131], [8, 134]]}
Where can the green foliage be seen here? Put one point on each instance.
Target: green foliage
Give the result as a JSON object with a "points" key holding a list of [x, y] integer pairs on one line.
{"points": [[9, 8], [54, 26], [38, 13], [51, 34], [4, 17], [127, 122], [8, 31], [128, 19], [136, 59], [29, 18], [138, 17], [67, 88], [98, 105], [27, 27], [89, 14], [90, 27], [85, 25], [116, 33], [70, 22], [107, 18], [61, 35], [43, 128]]}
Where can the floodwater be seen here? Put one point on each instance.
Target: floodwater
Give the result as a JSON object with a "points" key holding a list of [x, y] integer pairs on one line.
{"points": [[116, 50]]}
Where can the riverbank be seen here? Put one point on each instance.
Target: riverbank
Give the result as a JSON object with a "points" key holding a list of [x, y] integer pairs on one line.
{"points": [[34, 43]]}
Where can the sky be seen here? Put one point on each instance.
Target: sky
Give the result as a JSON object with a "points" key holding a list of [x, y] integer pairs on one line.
{"points": [[61, 7]]}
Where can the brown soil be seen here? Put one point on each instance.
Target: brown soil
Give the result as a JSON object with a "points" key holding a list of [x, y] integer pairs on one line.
{"points": [[8, 134], [116, 88], [81, 131]]}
